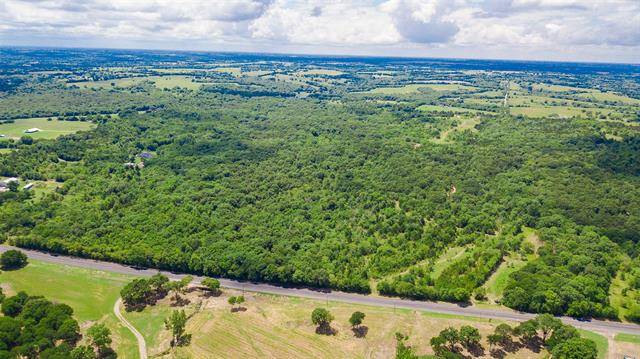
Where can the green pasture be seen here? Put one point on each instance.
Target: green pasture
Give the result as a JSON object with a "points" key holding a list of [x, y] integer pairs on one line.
{"points": [[48, 129]]}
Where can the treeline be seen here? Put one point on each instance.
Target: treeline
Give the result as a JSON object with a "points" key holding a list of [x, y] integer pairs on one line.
{"points": [[247, 92], [34, 327], [562, 341]]}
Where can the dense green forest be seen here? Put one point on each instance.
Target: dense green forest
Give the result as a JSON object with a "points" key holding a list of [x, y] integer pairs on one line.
{"points": [[335, 186]]}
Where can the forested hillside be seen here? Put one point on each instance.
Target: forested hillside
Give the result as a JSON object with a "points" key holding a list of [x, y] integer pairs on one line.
{"points": [[339, 186]]}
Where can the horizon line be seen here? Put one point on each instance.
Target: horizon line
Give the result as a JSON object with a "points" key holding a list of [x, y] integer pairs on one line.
{"points": [[336, 55]]}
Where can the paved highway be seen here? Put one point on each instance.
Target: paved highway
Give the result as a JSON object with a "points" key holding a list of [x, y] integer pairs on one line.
{"points": [[605, 327]]}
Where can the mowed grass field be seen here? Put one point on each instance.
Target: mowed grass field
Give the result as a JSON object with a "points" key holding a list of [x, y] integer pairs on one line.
{"points": [[280, 327], [48, 129], [90, 293]]}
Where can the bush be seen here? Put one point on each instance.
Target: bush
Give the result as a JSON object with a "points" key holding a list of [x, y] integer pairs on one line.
{"points": [[13, 259]]}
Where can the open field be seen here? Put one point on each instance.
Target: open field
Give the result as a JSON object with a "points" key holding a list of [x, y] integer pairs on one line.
{"points": [[545, 111], [592, 94], [451, 87], [627, 338], [169, 82], [236, 71], [556, 88], [414, 88], [445, 259], [436, 108], [5, 150], [161, 82], [279, 327], [48, 129], [90, 293], [324, 72], [609, 96]]}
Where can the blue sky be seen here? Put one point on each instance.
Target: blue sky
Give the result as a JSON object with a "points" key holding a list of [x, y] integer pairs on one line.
{"points": [[573, 30]]}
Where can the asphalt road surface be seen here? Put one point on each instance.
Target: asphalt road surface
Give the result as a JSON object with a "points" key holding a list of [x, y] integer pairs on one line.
{"points": [[505, 314]]}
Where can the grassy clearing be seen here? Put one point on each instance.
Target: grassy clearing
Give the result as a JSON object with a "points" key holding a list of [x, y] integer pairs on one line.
{"points": [[42, 188], [545, 111], [617, 299], [496, 284], [236, 71], [627, 338], [5, 150], [90, 293], [592, 94], [445, 259], [601, 342], [435, 108], [169, 82], [451, 87], [150, 322], [161, 82], [48, 129], [323, 72], [498, 281], [465, 124], [415, 88], [555, 88]]}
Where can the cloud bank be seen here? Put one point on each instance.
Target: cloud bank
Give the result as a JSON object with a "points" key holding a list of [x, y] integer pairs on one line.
{"points": [[582, 30]]}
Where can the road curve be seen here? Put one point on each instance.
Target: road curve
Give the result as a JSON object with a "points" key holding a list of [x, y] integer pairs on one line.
{"points": [[606, 327], [142, 344]]}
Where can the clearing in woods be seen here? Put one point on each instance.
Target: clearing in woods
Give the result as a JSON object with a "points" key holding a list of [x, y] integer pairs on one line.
{"points": [[468, 123], [512, 262], [161, 82]]}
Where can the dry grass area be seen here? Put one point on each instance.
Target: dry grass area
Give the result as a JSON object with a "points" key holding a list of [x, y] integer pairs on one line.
{"points": [[280, 327]]}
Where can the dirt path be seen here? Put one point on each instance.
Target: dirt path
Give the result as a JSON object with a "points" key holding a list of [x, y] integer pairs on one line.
{"points": [[142, 345]]}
